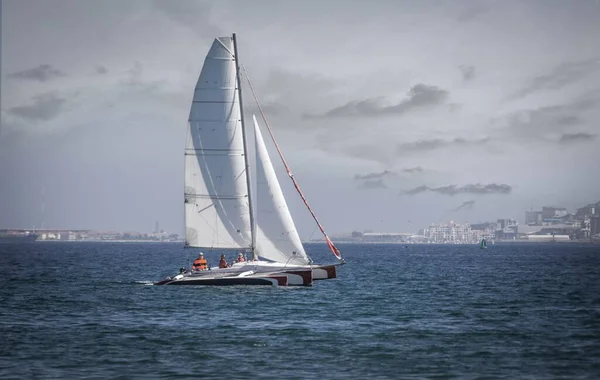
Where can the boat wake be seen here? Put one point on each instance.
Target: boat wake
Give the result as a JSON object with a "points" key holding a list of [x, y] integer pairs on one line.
{"points": [[143, 282]]}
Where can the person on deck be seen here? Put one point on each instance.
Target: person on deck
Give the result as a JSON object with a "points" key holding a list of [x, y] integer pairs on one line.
{"points": [[240, 258], [223, 262], [200, 263]]}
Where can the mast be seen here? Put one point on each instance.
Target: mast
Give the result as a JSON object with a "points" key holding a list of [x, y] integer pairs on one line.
{"points": [[239, 88]]}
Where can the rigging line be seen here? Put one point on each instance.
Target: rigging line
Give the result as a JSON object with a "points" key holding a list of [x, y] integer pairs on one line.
{"points": [[312, 233], [336, 252]]}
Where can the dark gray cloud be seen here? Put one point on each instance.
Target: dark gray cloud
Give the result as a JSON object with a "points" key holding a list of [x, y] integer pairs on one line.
{"points": [[536, 123], [416, 190], [101, 69], [467, 205], [419, 96], [42, 73], [433, 144], [416, 169], [371, 185], [569, 138], [562, 76], [44, 107], [385, 173], [467, 71], [477, 188]]}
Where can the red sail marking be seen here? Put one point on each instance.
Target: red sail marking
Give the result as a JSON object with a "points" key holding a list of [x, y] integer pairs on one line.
{"points": [[332, 247]]}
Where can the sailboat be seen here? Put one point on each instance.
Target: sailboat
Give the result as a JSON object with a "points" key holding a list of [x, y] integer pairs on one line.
{"points": [[482, 244], [221, 212]]}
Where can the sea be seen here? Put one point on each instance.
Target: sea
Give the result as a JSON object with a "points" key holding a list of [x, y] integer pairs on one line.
{"points": [[83, 310]]}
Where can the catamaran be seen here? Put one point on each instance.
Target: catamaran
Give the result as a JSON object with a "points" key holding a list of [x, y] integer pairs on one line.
{"points": [[221, 212]]}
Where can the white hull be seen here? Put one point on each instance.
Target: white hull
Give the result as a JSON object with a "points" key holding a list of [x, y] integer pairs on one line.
{"points": [[295, 275], [319, 272], [292, 277]]}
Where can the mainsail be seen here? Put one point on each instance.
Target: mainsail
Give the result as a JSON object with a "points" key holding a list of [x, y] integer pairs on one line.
{"points": [[217, 210], [277, 238]]}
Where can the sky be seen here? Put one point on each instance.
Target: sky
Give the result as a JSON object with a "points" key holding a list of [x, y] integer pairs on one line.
{"points": [[392, 114]]}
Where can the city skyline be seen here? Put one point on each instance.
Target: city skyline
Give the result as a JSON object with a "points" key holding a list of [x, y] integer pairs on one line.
{"points": [[391, 116]]}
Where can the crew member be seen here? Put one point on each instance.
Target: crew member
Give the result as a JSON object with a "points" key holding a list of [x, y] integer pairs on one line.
{"points": [[223, 262], [200, 263]]}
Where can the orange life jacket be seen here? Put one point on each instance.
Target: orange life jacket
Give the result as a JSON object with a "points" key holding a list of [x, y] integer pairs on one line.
{"points": [[200, 264]]}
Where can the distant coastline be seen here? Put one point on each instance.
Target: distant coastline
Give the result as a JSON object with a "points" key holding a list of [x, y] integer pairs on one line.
{"points": [[474, 244]]}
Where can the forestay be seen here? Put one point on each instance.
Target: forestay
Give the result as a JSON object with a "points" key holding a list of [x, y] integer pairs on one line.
{"points": [[277, 238], [217, 212]]}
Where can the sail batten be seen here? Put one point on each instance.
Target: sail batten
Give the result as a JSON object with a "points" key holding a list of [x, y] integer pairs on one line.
{"points": [[217, 211]]}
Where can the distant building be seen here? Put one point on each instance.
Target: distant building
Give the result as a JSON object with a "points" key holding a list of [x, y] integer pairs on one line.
{"points": [[595, 225], [550, 213], [385, 237], [485, 230], [357, 234], [533, 218], [588, 210], [548, 238], [507, 229], [450, 233]]}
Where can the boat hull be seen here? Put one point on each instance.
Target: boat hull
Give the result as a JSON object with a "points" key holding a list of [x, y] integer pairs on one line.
{"points": [[287, 278], [319, 272], [324, 272], [262, 273], [229, 281]]}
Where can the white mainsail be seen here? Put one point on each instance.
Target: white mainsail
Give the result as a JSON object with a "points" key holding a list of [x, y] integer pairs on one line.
{"points": [[217, 211], [276, 237]]}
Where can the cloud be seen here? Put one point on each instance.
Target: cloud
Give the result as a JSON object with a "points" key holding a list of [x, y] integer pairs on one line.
{"points": [[416, 169], [385, 173], [477, 188], [433, 144], [561, 76], [367, 151], [467, 205], [537, 123], [569, 138], [44, 107], [42, 73], [420, 95], [192, 14], [271, 109], [473, 12], [467, 71], [136, 80], [100, 69], [416, 190], [371, 185]]}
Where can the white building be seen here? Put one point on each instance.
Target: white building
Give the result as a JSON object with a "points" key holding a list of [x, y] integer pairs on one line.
{"points": [[450, 233]]}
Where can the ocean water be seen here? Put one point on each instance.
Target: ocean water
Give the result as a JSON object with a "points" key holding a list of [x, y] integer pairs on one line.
{"points": [[88, 310]]}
